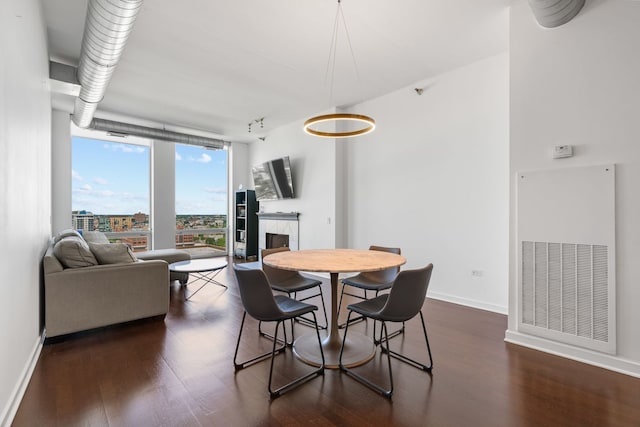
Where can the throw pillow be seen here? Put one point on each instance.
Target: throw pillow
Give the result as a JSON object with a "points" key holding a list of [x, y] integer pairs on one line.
{"points": [[95, 237], [65, 233], [112, 253], [74, 252]]}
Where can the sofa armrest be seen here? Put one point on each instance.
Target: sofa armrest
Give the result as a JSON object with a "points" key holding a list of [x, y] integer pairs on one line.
{"points": [[89, 297]]}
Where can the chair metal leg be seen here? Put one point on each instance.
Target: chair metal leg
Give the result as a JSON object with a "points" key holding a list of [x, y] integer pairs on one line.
{"points": [[307, 321], [316, 372], [268, 335], [394, 334], [241, 365], [385, 392], [410, 361], [355, 319], [384, 341]]}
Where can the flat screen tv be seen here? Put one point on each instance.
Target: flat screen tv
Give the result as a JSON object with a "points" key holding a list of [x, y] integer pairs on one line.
{"points": [[272, 180]]}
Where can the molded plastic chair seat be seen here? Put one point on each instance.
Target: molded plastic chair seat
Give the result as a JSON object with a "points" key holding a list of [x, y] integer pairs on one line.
{"points": [[403, 303], [260, 303]]}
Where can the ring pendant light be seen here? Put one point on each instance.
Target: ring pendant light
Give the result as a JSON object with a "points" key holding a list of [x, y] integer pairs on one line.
{"points": [[366, 123]]}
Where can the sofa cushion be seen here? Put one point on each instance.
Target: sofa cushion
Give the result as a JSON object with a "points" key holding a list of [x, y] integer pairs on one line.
{"points": [[74, 252], [66, 233], [169, 255], [112, 253], [95, 237]]}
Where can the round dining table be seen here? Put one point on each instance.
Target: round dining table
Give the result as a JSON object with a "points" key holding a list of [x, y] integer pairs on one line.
{"points": [[359, 348]]}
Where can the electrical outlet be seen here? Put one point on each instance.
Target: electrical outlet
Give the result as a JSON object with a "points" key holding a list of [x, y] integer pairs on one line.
{"points": [[477, 273]]}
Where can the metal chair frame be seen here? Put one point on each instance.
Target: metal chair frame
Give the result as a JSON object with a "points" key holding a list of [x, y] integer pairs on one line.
{"points": [[280, 318], [277, 285], [384, 315], [373, 283]]}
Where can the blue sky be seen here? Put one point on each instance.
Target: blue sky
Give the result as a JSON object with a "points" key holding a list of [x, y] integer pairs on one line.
{"points": [[113, 178]]}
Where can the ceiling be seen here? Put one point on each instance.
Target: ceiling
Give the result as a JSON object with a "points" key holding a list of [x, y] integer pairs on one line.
{"points": [[217, 65]]}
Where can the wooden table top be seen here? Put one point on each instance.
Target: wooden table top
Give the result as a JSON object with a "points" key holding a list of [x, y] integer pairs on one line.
{"points": [[334, 260]]}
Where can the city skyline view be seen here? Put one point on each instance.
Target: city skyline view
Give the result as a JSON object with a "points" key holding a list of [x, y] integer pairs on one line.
{"points": [[114, 178]]}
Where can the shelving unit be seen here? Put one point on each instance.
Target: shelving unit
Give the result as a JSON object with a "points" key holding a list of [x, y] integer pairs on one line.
{"points": [[246, 225]]}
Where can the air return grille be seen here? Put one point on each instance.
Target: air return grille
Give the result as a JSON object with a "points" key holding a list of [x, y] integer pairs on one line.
{"points": [[565, 289]]}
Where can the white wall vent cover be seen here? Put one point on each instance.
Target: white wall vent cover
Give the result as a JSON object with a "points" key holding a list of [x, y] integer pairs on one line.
{"points": [[566, 238]]}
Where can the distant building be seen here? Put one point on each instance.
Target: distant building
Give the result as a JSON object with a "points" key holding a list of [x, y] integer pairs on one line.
{"points": [[82, 220], [184, 240], [137, 243], [103, 223], [140, 218], [121, 224]]}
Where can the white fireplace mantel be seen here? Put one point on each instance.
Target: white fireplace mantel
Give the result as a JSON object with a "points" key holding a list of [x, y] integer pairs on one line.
{"points": [[282, 216], [278, 223]]}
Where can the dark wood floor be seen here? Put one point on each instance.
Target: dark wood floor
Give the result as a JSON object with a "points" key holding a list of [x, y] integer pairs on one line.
{"points": [[179, 372]]}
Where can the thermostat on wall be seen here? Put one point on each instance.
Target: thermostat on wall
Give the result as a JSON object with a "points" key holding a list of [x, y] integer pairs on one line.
{"points": [[560, 151]]}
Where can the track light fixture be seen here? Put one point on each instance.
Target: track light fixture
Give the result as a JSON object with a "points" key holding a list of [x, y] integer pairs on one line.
{"points": [[259, 121]]}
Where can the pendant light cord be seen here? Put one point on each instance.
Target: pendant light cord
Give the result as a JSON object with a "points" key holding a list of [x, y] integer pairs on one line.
{"points": [[331, 61]]}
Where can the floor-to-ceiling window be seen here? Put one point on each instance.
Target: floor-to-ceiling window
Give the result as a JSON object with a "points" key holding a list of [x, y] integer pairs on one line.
{"points": [[201, 200], [111, 188]]}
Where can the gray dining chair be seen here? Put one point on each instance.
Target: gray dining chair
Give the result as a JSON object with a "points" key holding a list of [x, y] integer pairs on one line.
{"points": [[401, 304], [370, 281], [291, 283], [260, 303]]}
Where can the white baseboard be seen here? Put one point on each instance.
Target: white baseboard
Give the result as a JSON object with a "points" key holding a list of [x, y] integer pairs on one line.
{"points": [[444, 297], [9, 412], [468, 302], [601, 360]]}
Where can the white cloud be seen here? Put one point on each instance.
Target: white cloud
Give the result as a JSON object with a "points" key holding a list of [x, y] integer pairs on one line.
{"points": [[178, 156], [125, 148], [218, 190], [219, 197], [204, 158], [86, 189], [76, 176], [100, 181]]}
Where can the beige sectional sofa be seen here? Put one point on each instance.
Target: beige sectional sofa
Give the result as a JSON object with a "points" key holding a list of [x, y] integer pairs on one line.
{"points": [[86, 287], [168, 255]]}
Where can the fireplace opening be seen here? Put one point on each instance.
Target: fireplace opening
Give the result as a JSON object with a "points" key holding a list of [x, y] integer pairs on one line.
{"points": [[277, 240]]}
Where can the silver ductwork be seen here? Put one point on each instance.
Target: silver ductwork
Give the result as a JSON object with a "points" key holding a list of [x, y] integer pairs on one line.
{"points": [[107, 28], [553, 13], [123, 129]]}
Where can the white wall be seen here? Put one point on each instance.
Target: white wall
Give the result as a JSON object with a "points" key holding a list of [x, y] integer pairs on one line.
{"points": [[61, 173], [240, 167], [313, 169], [433, 180], [578, 84], [25, 192], [163, 209]]}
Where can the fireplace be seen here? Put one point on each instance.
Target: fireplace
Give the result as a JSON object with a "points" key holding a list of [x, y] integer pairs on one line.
{"points": [[277, 240], [280, 224]]}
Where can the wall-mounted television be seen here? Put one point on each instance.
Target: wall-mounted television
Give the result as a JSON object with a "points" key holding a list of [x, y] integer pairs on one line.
{"points": [[272, 180]]}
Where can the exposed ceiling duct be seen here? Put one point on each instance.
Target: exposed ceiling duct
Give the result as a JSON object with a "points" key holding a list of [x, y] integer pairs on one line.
{"points": [[107, 28], [553, 13], [124, 129]]}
